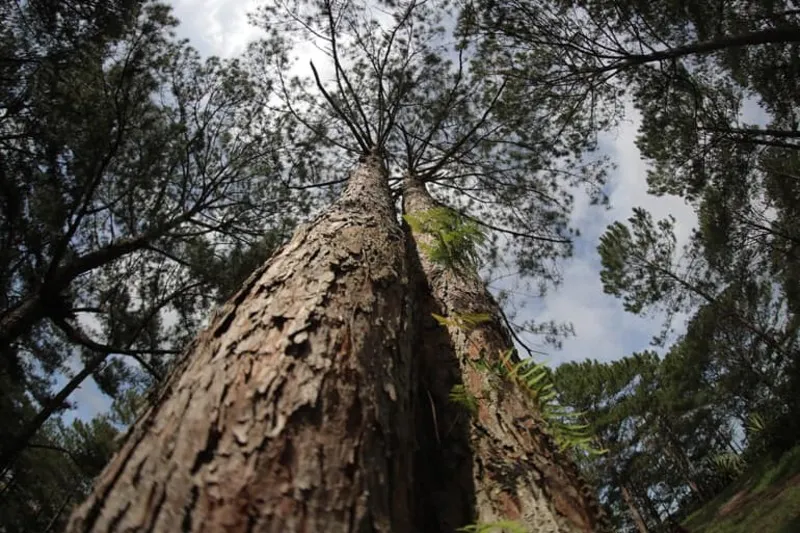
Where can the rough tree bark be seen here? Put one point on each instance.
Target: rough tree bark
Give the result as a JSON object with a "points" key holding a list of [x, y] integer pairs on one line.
{"points": [[317, 400], [518, 473], [292, 411]]}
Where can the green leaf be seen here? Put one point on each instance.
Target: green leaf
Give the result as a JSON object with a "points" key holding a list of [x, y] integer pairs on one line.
{"points": [[502, 526], [460, 395]]}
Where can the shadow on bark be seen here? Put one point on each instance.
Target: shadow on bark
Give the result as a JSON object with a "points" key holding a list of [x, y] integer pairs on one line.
{"points": [[443, 479]]}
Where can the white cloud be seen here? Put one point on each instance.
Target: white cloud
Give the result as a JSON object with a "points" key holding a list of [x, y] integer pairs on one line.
{"points": [[604, 331], [216, 27]]}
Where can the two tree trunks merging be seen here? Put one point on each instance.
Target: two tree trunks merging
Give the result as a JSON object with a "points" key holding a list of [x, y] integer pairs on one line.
{"points": [[315, 402], [291, 410], [518, 473]]}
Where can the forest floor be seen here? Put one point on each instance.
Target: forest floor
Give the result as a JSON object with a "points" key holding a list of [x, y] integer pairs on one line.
{"points": [[766, 498]]}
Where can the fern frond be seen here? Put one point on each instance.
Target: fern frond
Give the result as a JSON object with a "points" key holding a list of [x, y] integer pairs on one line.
{"points": [[443, 320], [503, 526], [755, 423], [464, 321], [535, 380], [460, 395], [457, 240], [729, 463]]}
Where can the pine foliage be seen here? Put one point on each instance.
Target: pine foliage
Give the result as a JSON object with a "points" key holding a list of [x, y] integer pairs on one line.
{"points": [[536, 380]]}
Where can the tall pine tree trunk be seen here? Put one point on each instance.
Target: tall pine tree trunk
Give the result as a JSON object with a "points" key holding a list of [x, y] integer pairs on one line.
{"points": [[518, 473], [638, 519], [676, 450], [292, 411]]}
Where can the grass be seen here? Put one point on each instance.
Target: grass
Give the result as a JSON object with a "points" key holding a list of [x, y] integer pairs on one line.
{"points": [[765, 498]]}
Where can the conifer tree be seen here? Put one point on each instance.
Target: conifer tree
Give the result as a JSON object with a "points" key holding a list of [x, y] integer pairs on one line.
{"points": [[313, 399]]}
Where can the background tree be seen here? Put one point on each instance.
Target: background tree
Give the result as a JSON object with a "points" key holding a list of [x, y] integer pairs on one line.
{"points": [[734, 278], [660, 424], [127, 164], [601, 49], [58, 468]]}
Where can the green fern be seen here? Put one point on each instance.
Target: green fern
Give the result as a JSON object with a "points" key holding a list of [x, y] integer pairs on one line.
{"points": [[755, 424], [729, 463], [536, 381], [503, 526], [460, 395], [457, 240], [466, 322]]}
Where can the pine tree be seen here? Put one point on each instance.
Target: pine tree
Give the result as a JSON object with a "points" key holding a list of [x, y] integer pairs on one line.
{"points": [[321, 396]]}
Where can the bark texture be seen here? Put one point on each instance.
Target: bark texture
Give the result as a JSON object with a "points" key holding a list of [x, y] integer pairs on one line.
{"points": [[291, 412], [517, 470], [443, 476]]}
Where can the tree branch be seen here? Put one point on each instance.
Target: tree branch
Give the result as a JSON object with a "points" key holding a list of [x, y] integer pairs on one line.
{"points": [[79, 337], [445, 158], [363, 143]]}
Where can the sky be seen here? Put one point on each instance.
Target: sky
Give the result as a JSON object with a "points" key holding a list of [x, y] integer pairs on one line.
{"points": [[603, 330]]}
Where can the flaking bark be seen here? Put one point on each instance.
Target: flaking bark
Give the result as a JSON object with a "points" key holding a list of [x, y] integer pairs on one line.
{"points": [[291, 411], [518, 473]]}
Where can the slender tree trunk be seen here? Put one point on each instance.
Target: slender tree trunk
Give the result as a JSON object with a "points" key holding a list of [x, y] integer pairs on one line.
{"points": [[518, 472], [675, 449], [18, 442], [292, 411], [638, 519], [54, 521], [650, 507], [784, 34], [784, 134], [19, 319], [728, 442]]}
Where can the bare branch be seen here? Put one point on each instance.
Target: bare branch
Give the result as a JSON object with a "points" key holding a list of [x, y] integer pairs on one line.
{"points": [[363, 143]]}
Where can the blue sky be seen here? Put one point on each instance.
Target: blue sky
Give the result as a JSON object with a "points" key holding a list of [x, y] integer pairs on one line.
{"points": [[603, 330]]}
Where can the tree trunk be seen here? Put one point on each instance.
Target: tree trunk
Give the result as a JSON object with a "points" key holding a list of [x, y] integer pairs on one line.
{"points": [[650, 507], [54, 521], [641, 525], [518, 473], [781, 35], [292, 411], [675, 449]]}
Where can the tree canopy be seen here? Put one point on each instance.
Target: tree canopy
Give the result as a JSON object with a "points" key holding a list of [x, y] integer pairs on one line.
{"points": [[139, 186]]}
